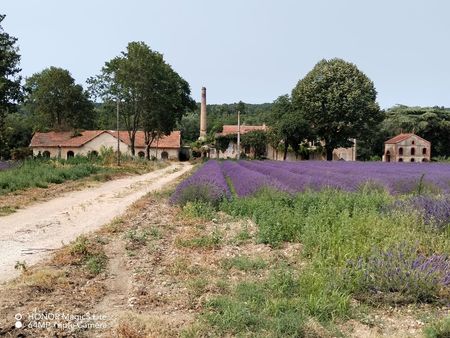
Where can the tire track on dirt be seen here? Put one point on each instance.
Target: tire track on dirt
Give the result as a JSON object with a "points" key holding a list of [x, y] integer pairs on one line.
{"points": [[29, 234]]}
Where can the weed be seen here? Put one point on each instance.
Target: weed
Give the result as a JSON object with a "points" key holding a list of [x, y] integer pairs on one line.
{"points": [[210, 241], [21, 265], [7, 210], [44, 280], [243, 263], [200, 210], [439, 329]]}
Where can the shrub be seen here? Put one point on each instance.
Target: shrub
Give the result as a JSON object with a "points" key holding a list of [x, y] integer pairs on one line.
{"points": [[403, 270]]}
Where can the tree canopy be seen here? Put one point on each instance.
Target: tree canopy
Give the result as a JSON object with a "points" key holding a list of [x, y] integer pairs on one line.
{"points": [[10, 82], [57, 103], [289, 126], [339, 103], [152, 95]]}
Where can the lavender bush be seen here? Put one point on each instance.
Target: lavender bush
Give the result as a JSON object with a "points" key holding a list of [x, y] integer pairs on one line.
{"points": [[403, 271], [247, 181], [207, 184], [435, 211]]}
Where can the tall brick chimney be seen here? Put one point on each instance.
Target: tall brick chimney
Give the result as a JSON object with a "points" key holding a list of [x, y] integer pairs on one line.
{"points": [[203, 115]]}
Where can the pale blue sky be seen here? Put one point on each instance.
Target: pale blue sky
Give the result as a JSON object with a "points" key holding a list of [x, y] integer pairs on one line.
{"points": [[250, 50]]}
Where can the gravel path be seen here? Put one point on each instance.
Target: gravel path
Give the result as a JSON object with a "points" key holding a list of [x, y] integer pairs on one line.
{"points": [[30, 234]]}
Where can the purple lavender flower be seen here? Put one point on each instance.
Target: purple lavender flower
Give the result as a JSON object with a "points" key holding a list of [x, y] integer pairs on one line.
{"points": [[434, 210], [207, 184], [403, 270]]}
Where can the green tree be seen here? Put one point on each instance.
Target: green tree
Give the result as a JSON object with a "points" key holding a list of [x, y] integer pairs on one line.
{"points": [[240, 107], [57, 103], [339, 103], [257, 141], [189, 126], [288, 125], [152, 95], [10, 83]]}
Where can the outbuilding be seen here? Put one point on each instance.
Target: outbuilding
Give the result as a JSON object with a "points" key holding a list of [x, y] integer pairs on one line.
{"points": [[407, 147], [66, 144]]}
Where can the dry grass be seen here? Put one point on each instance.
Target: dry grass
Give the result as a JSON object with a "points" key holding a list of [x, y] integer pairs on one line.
{"points": [[44, 280], [139, 326]]}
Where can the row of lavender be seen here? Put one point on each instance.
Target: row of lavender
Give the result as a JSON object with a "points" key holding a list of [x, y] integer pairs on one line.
{"points": [[248, 177], [207, 184]]}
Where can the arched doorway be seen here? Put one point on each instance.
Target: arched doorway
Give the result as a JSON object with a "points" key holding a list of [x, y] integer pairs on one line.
{"points": [[46, 154], [388, 156], [141, 154], [70, 154], [164, 155]]}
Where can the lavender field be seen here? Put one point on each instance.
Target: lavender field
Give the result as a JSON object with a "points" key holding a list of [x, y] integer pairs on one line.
{"points": [[247, 177], [371, 233]]}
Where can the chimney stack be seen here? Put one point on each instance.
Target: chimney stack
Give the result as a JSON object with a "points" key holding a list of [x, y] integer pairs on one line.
{"points": [[203, 115]]}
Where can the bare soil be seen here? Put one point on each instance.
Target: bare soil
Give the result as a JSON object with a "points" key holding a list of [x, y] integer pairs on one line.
{"points": [[29, 234]]}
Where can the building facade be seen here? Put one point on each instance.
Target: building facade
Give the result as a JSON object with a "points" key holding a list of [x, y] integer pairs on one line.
{"points": [[407, 148], [66, 144], [232, 149]]}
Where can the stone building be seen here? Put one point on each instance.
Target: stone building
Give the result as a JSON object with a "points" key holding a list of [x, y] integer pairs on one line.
{"points": [[66, 144], [407, 148], [232, 151]]}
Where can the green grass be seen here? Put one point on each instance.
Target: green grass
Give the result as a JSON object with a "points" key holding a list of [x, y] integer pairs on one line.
{"points": [[439, 329], [42, 172], [209, 241], [243, 263], [333, 227]]}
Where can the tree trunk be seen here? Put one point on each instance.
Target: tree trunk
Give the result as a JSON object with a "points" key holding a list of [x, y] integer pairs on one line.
{"points": [[132, 145], [285, 150], [329, 153], [147, 152]]}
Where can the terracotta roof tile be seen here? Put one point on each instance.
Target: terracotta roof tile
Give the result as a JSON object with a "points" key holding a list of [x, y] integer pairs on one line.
{"points": [[402, 137], [66, 139], [173, 140], [233, 129], [63, 138]]}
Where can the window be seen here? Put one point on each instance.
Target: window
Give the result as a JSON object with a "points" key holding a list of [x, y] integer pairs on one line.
{"points": [[413, 142], [70, 154], [400, 151], [400, 159], [424, 151], [412, 160], [413, 151]]}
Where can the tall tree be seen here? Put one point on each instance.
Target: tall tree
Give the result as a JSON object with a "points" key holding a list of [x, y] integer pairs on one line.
{"points": [[10, 82], [152, 95], [339, 103], [288, 125], [56, 102]]}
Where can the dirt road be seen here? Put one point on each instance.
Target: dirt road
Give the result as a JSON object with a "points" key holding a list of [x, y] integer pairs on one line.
{"points": [[30, 234]]}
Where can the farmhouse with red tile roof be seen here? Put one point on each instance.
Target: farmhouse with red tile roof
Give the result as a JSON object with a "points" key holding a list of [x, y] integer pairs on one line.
{"points": [[407, 147], [65, 144]]}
